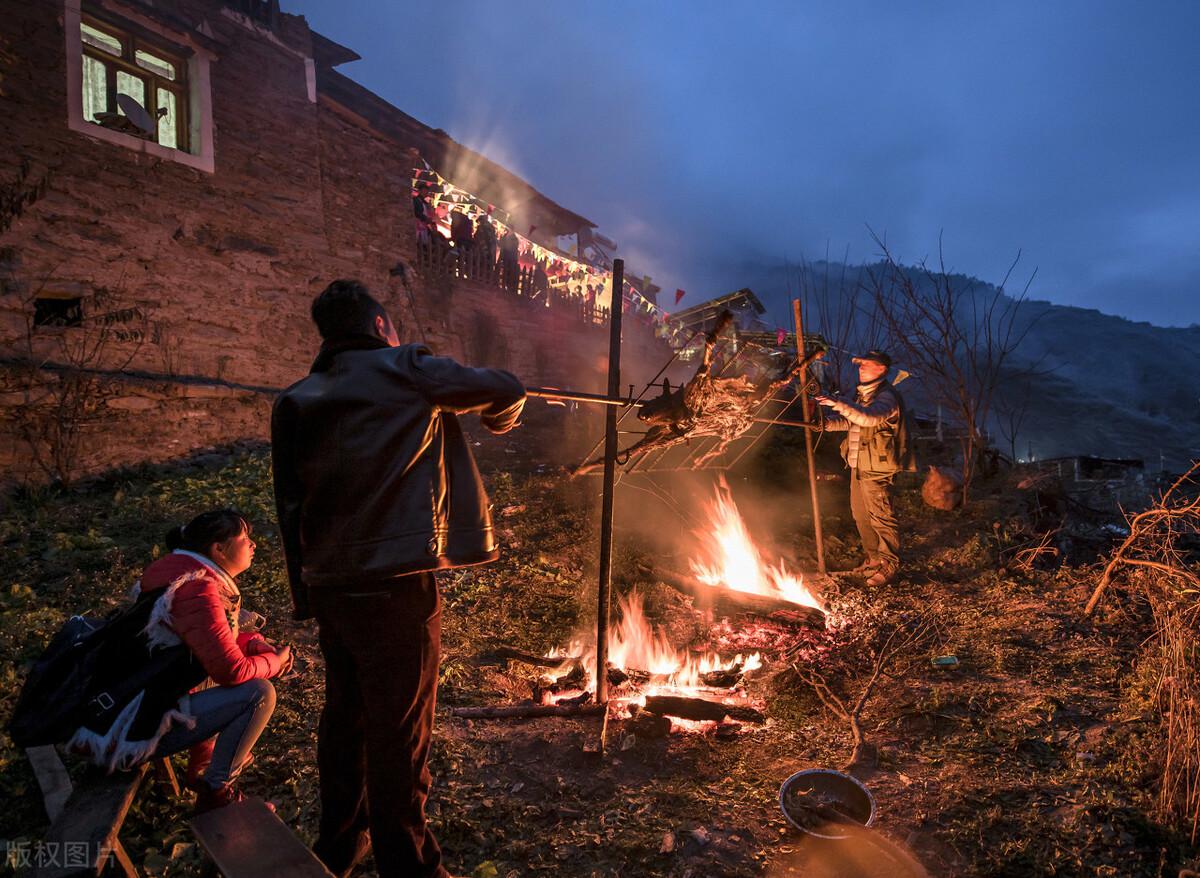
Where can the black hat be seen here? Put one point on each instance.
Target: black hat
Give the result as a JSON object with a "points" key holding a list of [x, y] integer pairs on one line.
{"points": [[875, 357]]}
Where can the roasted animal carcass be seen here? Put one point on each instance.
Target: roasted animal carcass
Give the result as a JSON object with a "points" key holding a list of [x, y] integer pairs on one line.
{"points": [[706, 406]]}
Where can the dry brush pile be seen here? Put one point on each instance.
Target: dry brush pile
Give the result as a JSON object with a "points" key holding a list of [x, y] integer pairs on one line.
{"points": [[1158, 562]]}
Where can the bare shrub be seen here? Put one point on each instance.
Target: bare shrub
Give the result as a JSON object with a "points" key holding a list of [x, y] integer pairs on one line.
{"points": [[841, 308], [66, 376], [1178, 642], [956, 335], [1155, 559], [902, 640], [1153, 541]]}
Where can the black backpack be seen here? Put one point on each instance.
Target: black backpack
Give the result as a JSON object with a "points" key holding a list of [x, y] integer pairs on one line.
{"points": [[91, 669], [906, 452]]}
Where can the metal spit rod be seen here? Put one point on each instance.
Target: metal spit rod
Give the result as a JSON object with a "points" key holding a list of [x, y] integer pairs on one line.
{"points": [[624, 401]]}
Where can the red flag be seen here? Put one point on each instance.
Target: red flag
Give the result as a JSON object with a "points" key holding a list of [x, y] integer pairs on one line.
{"points": [[532, 229], [679, 294], [780, 335]]}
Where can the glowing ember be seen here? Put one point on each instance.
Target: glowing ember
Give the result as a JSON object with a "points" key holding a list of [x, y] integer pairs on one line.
{"points": [[636, 646], [647, 662], [731, 560]]}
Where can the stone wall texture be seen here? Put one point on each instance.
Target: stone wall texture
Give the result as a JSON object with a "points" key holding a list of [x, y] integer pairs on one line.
{"points": [[196, 286]]}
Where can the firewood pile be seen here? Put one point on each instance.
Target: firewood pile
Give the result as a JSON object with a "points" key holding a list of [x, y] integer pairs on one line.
{"points": [[655, 703]]}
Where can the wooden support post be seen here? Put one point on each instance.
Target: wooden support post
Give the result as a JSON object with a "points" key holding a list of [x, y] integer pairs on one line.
{"points": [[93, 816], [806, 409], [164, 773], [595, 750], [610, 468]]}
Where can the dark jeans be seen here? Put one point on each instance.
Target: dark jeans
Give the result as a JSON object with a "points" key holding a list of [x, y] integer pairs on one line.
{"points": [[237, 715], [381, 645], [871, 505]]}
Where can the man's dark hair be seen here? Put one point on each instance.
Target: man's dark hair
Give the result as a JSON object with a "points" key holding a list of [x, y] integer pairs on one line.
{"points": [[345, 307]]}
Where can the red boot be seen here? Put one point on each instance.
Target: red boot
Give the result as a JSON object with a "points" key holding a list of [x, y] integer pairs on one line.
{"points": [[199, 758], [210, 799]]}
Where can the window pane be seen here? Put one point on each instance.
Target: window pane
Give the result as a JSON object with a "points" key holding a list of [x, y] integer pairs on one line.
{"points": [[154, 64], [168, 125], [99, 39], [95, 88], [132, 86], [49, 311]]}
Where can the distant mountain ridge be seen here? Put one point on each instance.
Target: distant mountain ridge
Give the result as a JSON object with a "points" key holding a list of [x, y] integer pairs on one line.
{"points": [[1103, 386]]}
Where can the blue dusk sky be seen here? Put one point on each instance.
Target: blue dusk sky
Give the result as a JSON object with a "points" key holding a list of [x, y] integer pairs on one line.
{"points": [[716, 140]]}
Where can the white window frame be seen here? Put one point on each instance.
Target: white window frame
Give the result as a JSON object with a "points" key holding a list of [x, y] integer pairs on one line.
{"points": [[200, 135]]}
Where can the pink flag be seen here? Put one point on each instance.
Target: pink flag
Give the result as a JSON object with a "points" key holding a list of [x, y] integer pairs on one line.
{"points": [[780, 335]]}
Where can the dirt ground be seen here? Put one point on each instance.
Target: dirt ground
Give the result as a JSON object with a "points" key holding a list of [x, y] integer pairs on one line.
{"points": [[1038, 754]]}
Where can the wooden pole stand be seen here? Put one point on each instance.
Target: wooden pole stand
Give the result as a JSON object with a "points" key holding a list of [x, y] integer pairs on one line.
{"points": [[806, 408]]}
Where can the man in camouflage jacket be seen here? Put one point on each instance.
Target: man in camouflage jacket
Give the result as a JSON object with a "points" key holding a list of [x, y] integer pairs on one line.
{"points": [[875, 449]]}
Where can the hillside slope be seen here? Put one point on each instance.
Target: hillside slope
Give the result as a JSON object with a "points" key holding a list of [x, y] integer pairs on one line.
{"points": [[1100, 384]]}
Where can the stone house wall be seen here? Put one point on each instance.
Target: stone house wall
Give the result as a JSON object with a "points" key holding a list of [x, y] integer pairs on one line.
{"points": [[202, 281]]}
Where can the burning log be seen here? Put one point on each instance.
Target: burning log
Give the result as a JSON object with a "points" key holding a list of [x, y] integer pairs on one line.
{"points": [[633, 676], [507, 653], [723, 679], [576, 678], [730, 602], [580, 699], [529, 711], [650, 726], [700, 709]]}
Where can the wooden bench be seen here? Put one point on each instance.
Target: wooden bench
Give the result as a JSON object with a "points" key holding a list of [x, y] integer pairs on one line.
{"points": [[247, 840], [85, 820]]}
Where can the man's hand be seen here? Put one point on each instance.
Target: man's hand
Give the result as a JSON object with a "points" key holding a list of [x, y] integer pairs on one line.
{"points": [[827, 401]]}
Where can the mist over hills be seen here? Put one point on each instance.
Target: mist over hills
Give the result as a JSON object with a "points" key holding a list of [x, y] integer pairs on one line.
{"points": [[1088, 383]]}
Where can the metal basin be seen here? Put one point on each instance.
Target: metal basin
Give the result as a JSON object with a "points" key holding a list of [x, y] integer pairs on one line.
{"points": [[830, 789]]}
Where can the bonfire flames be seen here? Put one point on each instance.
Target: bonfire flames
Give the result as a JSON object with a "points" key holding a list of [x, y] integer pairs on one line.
{"points": [[643, 663], [731, 560]]}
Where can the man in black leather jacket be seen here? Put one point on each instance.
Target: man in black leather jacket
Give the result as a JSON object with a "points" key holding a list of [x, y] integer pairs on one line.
{"points": [[376, 488]]}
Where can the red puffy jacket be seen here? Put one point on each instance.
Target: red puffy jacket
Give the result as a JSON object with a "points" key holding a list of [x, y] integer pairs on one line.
{"points": [[199, 608]]}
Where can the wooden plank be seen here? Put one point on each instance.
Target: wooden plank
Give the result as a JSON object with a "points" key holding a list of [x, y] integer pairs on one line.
{"points": [[92, 816], [247, 840], [52, 777]]}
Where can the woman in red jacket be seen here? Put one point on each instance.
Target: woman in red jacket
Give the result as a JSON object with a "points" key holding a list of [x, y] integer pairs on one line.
{"points": [[198, 605]]}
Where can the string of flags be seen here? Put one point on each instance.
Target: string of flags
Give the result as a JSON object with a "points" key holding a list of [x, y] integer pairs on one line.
{"points": [[429, 181]]}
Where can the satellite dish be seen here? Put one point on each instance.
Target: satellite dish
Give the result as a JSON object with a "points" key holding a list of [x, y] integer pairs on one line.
{"points": [[136, 113]]}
